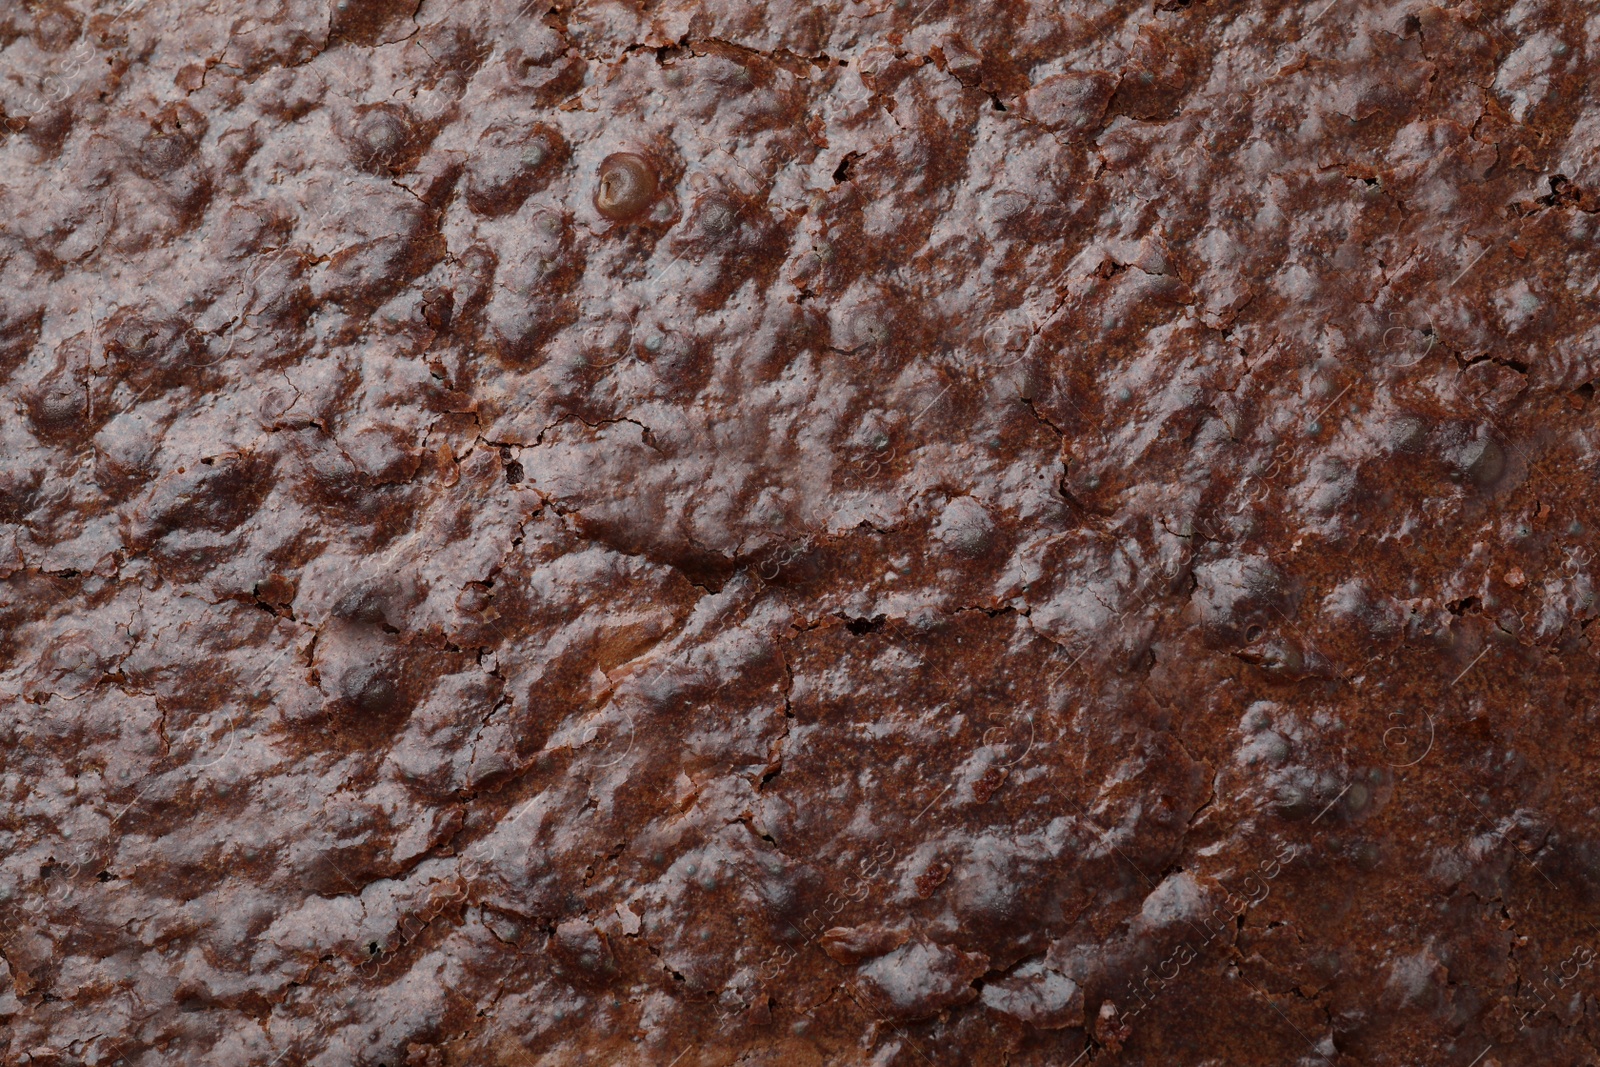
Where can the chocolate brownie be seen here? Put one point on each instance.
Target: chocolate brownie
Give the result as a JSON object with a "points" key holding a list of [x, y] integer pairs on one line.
{"points": [[898, 533]]}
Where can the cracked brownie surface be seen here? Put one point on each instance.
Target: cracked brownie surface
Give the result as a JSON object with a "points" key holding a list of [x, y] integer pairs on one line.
{"points": [[809, 533]]}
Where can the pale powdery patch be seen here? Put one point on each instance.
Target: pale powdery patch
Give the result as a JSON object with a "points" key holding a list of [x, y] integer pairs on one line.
{"points": [[1177, 899], [1413, 978], [919, 979], [1517, 305], [1037, 994], [1523, 80], [1225, 586]]}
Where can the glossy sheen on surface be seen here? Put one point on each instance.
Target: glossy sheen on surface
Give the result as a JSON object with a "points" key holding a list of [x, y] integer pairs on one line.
{"points": [[625, 186], [1052, 530]]}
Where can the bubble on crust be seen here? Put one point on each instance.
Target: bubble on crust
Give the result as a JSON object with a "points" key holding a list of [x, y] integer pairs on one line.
{"points": [[538, 46], [375, 603], [1295, 797], [1175, 900], [370, 680], [370, 690], [383, 138], [21, 322], [1279, 657], [368, 22], [1230, 591], [57, 406], [580, 947], [510, 163], [626, 187], [382, 134], [1482, 461], [965, 527], [452, 49], [715, 216], [162, 153], [126, 450], [1258, 717], [55, 28], [70, 666], [1037, 994], [719, 218], [920, 979], [170, 142], [1268, 747], [868, 328], [152, 348], [217, 494], [862, 321], [1405, 434], [1005, 340], [681, 364], [19, 493]]}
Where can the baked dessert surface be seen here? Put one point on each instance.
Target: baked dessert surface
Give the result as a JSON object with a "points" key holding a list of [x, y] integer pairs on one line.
{"points": [[701, 533]]}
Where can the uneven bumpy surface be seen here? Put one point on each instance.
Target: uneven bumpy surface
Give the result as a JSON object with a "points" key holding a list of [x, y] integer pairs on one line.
{"points": [[799, 533]]}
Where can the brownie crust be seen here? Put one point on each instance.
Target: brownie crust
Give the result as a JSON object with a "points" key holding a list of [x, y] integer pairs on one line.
{"points": [[888, 533]]}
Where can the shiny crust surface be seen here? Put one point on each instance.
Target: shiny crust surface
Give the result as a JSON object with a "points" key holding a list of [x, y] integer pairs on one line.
{"points": [[897, 533]]}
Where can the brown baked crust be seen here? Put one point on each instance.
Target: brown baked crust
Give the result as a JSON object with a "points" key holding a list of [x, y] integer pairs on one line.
{"points": [[707, 532]]}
